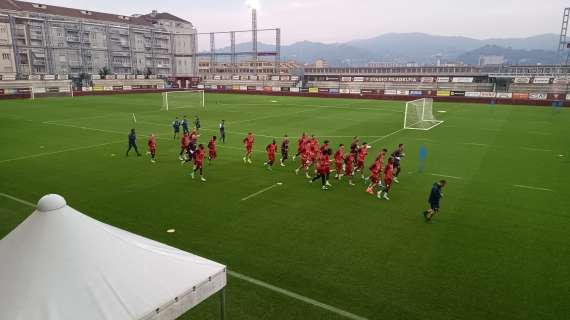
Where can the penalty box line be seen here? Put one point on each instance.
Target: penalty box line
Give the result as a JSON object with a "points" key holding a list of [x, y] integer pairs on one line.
{"points": [[251, 280], [38, 155]]}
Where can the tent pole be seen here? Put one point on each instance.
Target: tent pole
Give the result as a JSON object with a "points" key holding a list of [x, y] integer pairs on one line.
{"points": [[223, 304]]}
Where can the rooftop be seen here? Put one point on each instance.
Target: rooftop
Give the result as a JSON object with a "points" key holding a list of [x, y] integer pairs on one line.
{"points": [[146, 20]]}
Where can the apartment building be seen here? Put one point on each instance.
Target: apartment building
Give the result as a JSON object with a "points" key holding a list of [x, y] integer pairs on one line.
{"points": [[38, 39]]}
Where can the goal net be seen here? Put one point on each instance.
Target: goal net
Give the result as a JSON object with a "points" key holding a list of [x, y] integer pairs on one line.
{"points": [[183, 99], [44, 92], [419, 115]]}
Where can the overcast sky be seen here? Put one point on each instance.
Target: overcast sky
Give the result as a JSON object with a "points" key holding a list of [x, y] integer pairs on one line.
{"points": [[338, 21]]}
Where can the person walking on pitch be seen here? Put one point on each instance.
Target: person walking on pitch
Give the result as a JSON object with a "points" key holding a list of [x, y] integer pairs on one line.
{"points": [[185, 125], [176, 126], [212, 153], [248, 144], [434, 198], [223, 131], [284, 150], [152, 147], [133, 143], [197, 123], [271, 149]]}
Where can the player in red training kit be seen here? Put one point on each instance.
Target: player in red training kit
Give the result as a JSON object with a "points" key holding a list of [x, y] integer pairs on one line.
{"points": [[375, 171], [152, 147], [388, 176], [348, 164], [199, 162], [313, 150], [301, 145], [338, 159], [305, 161], [271, 149], [248, 142], [325, 146], [323, 169], [184, 143], [362, 153], [212, 153]]}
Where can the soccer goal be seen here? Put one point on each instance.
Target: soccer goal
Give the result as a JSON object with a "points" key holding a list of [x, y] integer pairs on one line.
{"points": [[419, 115], [183, 99], [43, 92]]}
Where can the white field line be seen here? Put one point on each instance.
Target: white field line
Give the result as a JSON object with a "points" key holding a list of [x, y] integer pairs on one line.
{"points": [[251, 280], [37, 155], [446, 176], [475, 144], [84, 128], [382, 109], [17, 199], [260, 192], [108, 116], [386, 136], [296, 296], [533, 188], [272, 116], [537, 149]]}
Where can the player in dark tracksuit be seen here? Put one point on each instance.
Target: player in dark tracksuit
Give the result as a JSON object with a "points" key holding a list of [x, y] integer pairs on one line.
{"points": [[133, 142], [398, 155], [434, 198], [185, 127], [284, 150], [176, 126], [197, 124], [223, 131]]}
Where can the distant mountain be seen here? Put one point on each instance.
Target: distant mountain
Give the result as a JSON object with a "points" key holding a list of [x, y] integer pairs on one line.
{"points": [[411, 47], [335, 54], [512, 56]]}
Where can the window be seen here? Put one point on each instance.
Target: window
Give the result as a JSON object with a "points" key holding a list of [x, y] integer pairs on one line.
{"points": [[39, 6], [5, 56]]}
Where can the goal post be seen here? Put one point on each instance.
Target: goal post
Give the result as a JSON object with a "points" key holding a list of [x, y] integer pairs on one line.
{"points": [[419, 115], [186, 99]]}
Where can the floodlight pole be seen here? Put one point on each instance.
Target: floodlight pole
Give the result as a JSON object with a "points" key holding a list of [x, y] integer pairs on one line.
{"points": [[223, 304]]}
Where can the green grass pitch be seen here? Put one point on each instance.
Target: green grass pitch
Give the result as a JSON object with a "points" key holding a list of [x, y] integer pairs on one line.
{"points": [[498, 250]]}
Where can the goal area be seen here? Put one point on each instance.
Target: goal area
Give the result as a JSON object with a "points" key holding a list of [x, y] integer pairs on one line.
{"points": [[419, 115], [186, 99]]}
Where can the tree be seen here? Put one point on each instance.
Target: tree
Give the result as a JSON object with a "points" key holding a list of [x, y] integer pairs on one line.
{"points": [[103, 72], [148, 72]]}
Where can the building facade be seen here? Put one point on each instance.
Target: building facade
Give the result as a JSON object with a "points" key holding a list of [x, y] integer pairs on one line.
{"points": [[38, 39]]}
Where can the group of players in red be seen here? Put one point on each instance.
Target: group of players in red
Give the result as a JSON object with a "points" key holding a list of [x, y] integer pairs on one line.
{"points": [[312, 155], [191, 151], [318, 157]]}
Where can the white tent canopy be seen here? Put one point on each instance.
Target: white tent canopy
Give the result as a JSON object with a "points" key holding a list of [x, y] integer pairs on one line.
{"points": [[61, 264]]}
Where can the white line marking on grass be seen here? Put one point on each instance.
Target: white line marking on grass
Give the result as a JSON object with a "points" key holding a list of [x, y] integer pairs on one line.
{"points": [[83, 128], [533, 188], [476, 144], [272, 116], [37, 155], [260, 192], [386, 136], [17, 199], [379, 108], [446, 176], [537, 149], [296, 296]]}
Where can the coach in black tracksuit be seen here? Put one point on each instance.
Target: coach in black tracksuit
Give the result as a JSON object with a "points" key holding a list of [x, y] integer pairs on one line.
{"points": [[133, 142]]}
